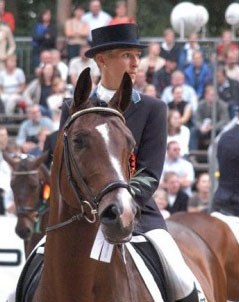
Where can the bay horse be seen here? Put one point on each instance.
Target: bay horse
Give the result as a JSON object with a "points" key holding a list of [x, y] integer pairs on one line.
{"points": [[30, 184], [90, 189], [211, 251]]}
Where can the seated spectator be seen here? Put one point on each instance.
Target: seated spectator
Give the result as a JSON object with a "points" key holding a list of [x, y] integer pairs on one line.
{"points": [[41, 137], [121, 14], [29, 129], [45, 58], [161, 199], [187, 51], [150, 89], [76, 32], [49, 146], [228, 91], [183, 168], [178, 132], [162, 77], [226, 44], [231, 65], [12, 84], [59, 64], [140, 82], [152, 62], [78, 64], [177, 198], [180, 105], [39, 89], [6, 194], [201, 135], [200, 199], [198, 74], [169, 48], [189, 93], [7, 17], [7, 43]]}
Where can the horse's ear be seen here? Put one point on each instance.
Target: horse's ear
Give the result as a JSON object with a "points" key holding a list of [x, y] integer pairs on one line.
{"points": [[10, 160], [40, 160], [122, 97], [82, 90]]}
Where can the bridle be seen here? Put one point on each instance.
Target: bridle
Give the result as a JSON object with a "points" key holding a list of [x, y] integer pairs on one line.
{"points": [[92, 201]]}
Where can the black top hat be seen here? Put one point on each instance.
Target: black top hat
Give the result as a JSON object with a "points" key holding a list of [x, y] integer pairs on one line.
{"points": [[114, 37]]}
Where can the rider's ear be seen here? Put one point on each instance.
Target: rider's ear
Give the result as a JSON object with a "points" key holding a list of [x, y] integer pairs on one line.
{"points": [[122, 97]]}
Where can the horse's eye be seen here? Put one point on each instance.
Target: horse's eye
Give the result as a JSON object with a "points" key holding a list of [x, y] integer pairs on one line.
{"points": [[80, 142]]}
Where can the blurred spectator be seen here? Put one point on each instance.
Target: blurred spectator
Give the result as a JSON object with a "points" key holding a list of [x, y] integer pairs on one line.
{"points": [[39, 89], [189, 93], [76, 32], [201, 135], [198, 74], [45, 58], [228, 91], [150, 89], [183, 107], [177, 198], [161, 199], [174, 162], [7, 43], [12, 84], [78, 64], [226, 44], [162, 77], [6, 16], [60, 65], [169, 48], [178, 132], [41, 137], [43, 36], [6, 195], [121, 14], [152, 61], [231, 65], [187, 51], [96, 17], [29, 129], [49, 146], [140, 82], [200, 200]]}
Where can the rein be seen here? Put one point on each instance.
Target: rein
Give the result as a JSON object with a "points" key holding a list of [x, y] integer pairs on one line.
{"points": [[70, 162]]}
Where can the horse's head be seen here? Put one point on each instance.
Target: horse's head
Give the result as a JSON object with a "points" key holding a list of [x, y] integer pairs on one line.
{"points": [[97, 148], [29, 175]]}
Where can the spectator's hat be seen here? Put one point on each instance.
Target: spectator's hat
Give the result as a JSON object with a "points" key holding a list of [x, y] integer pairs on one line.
{"points": [[114, 37]]}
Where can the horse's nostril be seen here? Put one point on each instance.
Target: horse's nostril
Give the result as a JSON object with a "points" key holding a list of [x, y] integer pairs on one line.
{"points": [[110, 214]]}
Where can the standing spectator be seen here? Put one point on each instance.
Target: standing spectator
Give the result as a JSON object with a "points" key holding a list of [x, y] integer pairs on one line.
{"points": [[162, 77], [76, 32], [226, 197], [201, 135], [183, 107], [228, 91], [169, 48], [152, 62], [7, 43], [121, 14], [161, 199], [178, 132], [189, 93], [226, 44], [200, 200], [96, 17], [43, 36], [183, 168], [78, 64], [40, 88], [198, 74], [59, 64], [6, 16], [231, 65], [177, 198], [12, 84], [29, 129]]}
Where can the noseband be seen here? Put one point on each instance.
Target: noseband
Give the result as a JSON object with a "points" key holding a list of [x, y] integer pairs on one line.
{"points": [[92, 201]]}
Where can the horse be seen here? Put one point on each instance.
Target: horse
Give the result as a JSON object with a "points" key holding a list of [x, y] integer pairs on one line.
{"points": [[211, 251], [30, 184]]}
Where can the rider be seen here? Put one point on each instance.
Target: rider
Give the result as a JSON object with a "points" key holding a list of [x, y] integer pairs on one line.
{"points": [[116, 49]]}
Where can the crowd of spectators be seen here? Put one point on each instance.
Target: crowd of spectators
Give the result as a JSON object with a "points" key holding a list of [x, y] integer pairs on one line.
{"points": [[181, 74]]}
